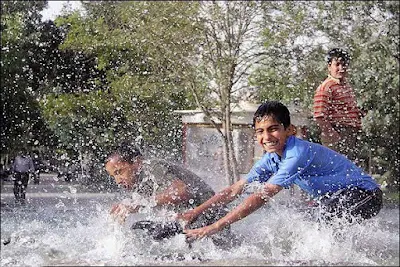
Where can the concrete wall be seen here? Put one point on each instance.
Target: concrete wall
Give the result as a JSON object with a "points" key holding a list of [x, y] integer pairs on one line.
{"points": [[203, 152], [203, 147]]}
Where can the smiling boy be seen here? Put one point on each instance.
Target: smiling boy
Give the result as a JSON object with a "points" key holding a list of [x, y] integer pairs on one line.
{"points": [[343, 189]]}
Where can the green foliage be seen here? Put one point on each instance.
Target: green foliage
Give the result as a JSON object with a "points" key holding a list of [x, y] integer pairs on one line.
{"points": [[82, 122], [291, 65], [120, 69], [21, 118], [143, 47]]}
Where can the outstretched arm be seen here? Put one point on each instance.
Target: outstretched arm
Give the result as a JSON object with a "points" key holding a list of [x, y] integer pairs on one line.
{"points": [[251, 204], [224, 197]]}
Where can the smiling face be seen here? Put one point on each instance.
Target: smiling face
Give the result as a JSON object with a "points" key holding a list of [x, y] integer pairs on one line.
{"points": [[338, 68], [272, 135], [124, 173]]}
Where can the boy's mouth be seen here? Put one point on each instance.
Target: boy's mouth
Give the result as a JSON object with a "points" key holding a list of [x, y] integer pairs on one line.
{"points": [[125, 186], [270, 144]]}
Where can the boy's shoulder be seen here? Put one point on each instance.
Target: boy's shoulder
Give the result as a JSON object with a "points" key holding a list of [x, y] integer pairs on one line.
{"points": [[328, 84], [298, 145], [293, 141], [297, 141]]}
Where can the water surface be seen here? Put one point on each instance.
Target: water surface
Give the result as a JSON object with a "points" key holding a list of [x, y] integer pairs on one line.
{"points": [[79, 231]]}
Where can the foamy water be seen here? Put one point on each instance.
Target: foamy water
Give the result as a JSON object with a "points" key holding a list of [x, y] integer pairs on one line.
{"points": [[77, 232]]}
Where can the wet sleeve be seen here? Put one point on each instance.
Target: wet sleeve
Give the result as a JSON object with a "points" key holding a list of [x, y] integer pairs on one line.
{"points": [[161, 175], [260, 172]]}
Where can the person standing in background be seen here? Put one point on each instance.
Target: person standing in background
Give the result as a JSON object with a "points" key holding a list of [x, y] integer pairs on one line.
{"points": [[21, 168], [335, 108]]}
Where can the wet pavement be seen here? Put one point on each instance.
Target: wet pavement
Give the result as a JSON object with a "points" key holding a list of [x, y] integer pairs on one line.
{"points": [[50, 190]]}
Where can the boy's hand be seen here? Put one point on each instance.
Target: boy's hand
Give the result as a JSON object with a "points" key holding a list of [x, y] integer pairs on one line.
{"points": [[199, 233], [185, 218], [120, 211]]}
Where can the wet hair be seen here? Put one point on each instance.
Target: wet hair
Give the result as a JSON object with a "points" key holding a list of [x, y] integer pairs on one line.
{"points": [[126, 151], [338, 53], [22, 151], [276, 110]]}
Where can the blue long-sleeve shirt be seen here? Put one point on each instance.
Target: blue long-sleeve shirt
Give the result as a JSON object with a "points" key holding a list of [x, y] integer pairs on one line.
{"points": [[314, 168]]}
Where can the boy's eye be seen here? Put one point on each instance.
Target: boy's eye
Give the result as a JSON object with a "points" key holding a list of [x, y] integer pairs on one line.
{"points": [[119, 171]]}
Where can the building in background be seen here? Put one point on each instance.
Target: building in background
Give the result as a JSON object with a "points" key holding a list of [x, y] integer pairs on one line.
{"points": [[202, 143]]}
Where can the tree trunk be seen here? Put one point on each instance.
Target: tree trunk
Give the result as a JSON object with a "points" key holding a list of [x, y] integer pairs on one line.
{"points": [[230, 147], [227, 167], [230, 163]]}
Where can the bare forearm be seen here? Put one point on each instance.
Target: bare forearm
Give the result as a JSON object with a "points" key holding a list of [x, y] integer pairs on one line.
{"points": [[250, 205], [224, 197]]}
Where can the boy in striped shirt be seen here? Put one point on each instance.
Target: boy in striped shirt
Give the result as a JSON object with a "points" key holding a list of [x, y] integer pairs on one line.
{"points": [[335, 108]]}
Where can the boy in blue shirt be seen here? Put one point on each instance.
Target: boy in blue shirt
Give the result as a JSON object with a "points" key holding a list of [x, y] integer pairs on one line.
{"points": [[344, 190]]}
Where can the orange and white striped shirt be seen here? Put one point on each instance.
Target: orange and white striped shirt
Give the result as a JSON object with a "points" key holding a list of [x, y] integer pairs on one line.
{"points": [[336, 103]]}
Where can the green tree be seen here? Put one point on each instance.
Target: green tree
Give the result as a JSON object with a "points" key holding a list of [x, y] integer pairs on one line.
{"points": [[67, 82], [218, 79], [22, 123], [143, 47]]}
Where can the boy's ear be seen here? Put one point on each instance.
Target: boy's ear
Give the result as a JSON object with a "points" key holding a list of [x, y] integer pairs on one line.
{"points": [[292, 129]]}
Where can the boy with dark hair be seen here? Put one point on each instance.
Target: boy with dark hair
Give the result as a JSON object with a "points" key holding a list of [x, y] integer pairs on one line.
{"points": [[160, 184], [335, 108], [170, 185], [342, 188], [338, 53]]}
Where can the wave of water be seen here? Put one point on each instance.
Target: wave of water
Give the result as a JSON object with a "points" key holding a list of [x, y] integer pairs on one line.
{"points": [[82, 233]]}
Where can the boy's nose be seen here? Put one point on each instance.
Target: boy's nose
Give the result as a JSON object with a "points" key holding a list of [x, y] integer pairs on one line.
{"points": [[342, 67], [266, 135]]}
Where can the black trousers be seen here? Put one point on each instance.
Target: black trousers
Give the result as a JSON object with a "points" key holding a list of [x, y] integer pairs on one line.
{"points": [[20, 185], [351, 204]]}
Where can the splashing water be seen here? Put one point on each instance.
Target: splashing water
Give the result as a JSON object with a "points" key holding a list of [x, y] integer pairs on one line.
{"points": [[80, 232]]}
